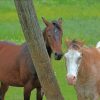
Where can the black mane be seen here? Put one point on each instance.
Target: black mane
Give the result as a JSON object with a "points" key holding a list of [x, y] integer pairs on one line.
{"points": [[75, 44], [56, 24]]}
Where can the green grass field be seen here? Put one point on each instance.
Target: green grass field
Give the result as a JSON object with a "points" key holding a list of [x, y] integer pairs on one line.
{"points": [[81, 20]]}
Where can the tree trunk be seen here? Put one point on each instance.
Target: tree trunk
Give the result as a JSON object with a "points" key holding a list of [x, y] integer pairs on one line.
{"points": [[34, 38]]}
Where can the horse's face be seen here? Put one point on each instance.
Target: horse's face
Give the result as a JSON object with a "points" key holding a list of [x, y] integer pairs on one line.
{"points": [[73, 59], [53, 37]]}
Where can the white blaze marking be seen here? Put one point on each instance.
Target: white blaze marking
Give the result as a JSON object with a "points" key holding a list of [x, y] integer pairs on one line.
{"points": [[72, 62]]}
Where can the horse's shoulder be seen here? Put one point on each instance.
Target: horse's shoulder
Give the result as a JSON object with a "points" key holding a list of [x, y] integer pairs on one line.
{"points": [[92, 52]]}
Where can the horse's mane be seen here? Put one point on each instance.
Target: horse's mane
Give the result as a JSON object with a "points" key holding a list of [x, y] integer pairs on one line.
{"points": [[7, 43], [75, 44], [74, 41], [56, 24]]}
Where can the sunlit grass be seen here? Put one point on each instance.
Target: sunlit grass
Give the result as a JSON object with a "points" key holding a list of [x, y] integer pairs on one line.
{"points": [[51, 11], [68, 12]]}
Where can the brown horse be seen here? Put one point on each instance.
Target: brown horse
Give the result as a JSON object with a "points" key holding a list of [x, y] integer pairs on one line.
{"points": [[16, 67], [83, 67]]}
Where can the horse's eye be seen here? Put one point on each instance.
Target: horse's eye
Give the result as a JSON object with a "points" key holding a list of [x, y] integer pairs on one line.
{"points": [[79, 58]]}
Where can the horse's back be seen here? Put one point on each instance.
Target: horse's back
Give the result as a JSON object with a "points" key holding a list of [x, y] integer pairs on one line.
{"points": [[8, 51], [4, 45], [9, 65], [16, 66]]}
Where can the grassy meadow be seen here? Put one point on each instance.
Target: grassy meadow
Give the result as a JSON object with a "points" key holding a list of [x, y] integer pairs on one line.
{"points": [[81, 20]]}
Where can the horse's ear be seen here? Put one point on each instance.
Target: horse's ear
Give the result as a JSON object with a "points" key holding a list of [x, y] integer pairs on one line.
{"points": [[45, 21], [60, 21], [81, 43], [67, 42]]}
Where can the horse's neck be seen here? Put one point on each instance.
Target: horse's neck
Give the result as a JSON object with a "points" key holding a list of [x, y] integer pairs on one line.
{"points": [[83, 74], [49, 50], [87, 65]]}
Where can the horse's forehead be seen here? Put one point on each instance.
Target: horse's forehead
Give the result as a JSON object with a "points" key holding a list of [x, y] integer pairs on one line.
{"points": [[56, 24], [73, 53], [56, 32], [74, 46]]}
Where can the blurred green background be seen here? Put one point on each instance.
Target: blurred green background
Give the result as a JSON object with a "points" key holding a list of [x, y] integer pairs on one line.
{"points": [[81, 20]]}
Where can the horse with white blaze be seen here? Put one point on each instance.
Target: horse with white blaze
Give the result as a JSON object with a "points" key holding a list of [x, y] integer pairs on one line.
{"points": [[83, 70]]}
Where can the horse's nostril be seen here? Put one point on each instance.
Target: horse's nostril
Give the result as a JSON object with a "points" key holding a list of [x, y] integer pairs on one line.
{"points": [[58, 55], [73, 78]]}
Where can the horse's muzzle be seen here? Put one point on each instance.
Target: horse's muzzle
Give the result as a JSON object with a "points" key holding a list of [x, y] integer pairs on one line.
{"points": [[71, 79], [58, 56]]}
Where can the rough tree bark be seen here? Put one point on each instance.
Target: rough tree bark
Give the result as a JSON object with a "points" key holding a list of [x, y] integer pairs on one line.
{"points": [[34, 38]]}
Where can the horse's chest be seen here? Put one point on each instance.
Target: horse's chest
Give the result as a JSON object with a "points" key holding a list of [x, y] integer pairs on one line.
{"points": [[88, 90]]}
